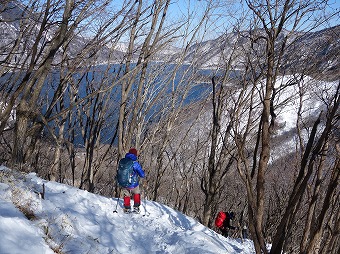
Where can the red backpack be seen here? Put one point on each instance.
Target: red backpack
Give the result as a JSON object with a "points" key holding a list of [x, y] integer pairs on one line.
{"points": [[221, 216]]}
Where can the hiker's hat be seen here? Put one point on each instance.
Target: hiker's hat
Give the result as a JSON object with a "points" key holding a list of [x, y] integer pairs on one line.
{"points": [[133, 151]]}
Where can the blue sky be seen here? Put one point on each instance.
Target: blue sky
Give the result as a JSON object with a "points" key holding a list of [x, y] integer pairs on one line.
{"points": [[223, 19]]}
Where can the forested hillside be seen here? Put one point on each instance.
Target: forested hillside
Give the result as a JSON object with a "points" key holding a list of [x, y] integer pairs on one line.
{"points": [[231, 106]]}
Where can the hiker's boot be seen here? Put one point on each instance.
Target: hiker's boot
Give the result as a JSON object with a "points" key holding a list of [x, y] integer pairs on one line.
{"points": [[127, 209], [136, 209]]}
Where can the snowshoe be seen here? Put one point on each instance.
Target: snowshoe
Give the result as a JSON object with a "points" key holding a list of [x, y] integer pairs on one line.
{"points": [[136, 209], [126, 210]]}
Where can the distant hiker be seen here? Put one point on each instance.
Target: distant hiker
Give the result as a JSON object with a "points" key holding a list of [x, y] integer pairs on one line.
{"points": [[129, 171], [223, 222]]}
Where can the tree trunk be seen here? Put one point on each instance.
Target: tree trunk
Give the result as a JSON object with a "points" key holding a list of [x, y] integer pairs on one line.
{"points": [[35, 83], [20, 130]]}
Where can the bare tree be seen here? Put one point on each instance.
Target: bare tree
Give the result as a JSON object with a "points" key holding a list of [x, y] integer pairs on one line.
{"points": [[270, 20], [316, 146], [60, 53], [38, 64]]}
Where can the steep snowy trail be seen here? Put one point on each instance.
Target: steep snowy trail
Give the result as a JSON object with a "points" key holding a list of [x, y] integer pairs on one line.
{"points": [[70, 220]]}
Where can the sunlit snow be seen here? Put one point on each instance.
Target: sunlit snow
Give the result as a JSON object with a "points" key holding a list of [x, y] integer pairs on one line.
{"points": [[70, 220]]}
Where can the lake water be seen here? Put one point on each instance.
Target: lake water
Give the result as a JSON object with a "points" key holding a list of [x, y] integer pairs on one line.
{"points": [[191, 86]]}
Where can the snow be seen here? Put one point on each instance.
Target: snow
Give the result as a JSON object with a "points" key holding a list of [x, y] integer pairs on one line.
{"points": [[70, 220]]}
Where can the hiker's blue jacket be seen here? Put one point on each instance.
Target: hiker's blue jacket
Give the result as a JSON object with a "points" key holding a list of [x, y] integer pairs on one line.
{"points": [[137, 171]]}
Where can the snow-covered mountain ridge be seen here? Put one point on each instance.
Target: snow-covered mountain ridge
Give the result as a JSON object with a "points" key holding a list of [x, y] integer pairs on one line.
{"points": [[320, 48], [70, 220]]}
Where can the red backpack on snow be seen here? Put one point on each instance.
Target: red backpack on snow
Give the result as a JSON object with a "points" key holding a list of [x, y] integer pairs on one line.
{"points": [[221, 216]]}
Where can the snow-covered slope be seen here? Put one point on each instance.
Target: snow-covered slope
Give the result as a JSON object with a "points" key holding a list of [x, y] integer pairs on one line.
{"points": [[70, 220]]}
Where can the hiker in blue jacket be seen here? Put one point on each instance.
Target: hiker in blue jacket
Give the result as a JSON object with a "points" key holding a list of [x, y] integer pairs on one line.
{"points": [[133, 187]]}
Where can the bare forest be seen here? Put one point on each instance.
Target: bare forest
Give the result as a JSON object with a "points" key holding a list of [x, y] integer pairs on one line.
{"points": [[201, 89]]}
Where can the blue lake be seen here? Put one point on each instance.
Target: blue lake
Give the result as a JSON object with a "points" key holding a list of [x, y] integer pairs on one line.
{"points": [[191, 86]]}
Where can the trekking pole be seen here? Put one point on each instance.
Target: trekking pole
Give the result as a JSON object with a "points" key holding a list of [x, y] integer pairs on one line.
{"points": [[144, 202], [115, 211]]}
